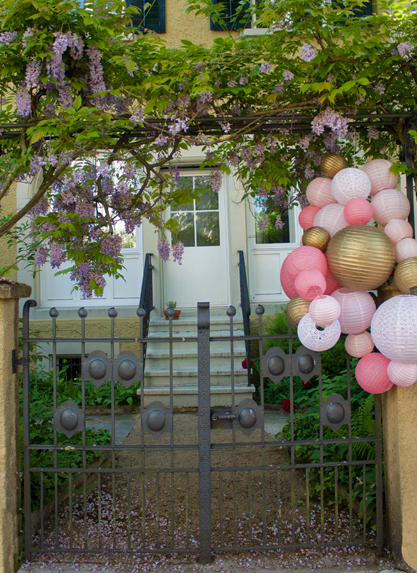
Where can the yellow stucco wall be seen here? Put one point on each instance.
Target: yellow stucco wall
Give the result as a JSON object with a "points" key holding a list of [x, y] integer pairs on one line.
{"points": [[8, 255]]}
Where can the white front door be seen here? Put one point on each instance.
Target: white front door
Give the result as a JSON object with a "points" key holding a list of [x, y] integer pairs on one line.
{"points": [[203, 275]]}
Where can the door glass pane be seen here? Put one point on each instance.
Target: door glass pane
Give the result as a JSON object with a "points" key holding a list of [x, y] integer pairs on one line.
{"points": [[208, 234], [185, 232], [268, 230], [185, 183], [208, 201]]}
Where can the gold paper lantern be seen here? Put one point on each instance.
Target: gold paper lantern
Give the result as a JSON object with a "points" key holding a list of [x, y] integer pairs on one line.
{"points": [[405, 276], [296, 309], [387, 290], [316, 237], [332, 164], [360, 257]]}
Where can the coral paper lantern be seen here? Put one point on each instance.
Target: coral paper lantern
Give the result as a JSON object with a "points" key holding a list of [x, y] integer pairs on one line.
{"points": [[405, 249], [372, 373], [316, 237], [398, 229], [331, 218], [360, 257], [358, 211], [310, 283], [315, 339], [305, 258], [357, 310], [402, 374], [296, 309], [350, 183], [390, 204], [324, 310], [394, 329], [405, 275], [331, 282], [306, 216], [319, 192], [332, 164], [359, 344], [381, 177], [287, 284]]}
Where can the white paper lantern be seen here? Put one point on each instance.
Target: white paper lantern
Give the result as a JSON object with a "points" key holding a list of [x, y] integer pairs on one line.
{"points": [[359, 345], [405, 249], [319, 192], [398, 229], [402, 374], [390, 204], [358, 308], [394, 329], [315, 339], [331, 218], [350, 183], [381, 177], [324, 310]]}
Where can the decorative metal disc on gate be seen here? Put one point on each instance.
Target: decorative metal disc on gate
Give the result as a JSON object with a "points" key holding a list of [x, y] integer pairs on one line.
{"points": [[275, 365], [306, 363], [69, 419], [335, 412], [96, 368], [156, 419], [128, 368], [249, 416]]}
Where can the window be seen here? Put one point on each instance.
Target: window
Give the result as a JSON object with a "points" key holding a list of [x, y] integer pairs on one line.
{"points": [[360, 11], [151, 18], [231, 8], [72, 365], [267, 230]]}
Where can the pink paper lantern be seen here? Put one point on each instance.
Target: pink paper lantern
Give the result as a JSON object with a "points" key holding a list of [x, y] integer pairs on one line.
{"points": [[381, 177], [402, 374], [287, 284], [358, 308], [359, 344], [306, 216], [331, 282], [397, 229], [372, 373], [315, 339], [358, 211], [390, 204], [310, 283], [331, 218], [405, 249], [324, 310], [304, 258], [350, 183], [319, 192]]}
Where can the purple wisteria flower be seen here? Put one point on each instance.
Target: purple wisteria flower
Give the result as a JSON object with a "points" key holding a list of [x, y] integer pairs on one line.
{"points": [[329, 118], [161, 140], [216, 179], [262, 223], [57, 255], [177, 252], [7, 37], [330, 78], [33, 71], [279, 224], [405, 49], [232, 84], [137, 117], [180, 124], [23, 103], [373, 133], [41, 256], [308, 53], [287, 75], [226, 127], [111, 245], [266, 68], [278, 89], [97, 84], [243, 80], [379, 89], [65, 97], [28, 33], [163, 249]]}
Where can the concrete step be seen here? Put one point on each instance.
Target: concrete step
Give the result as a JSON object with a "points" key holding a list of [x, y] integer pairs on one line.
{"points": [[187, 396], [218, 377], [158, 359], [189, 323], [182, 341]]}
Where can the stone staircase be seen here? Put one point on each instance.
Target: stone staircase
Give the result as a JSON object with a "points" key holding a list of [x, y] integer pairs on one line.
{"points": [[185, 374]]}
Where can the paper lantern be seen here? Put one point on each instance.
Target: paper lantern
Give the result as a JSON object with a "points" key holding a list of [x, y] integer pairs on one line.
{"points": [[331, 282], [306, 216], [402, 374], [398, 229], [304, 258], [405, 249], [313, 338], [319, 192], [405, 275], [371, 373], [381, 177], [316, 237], [324, 310], [310, 283], [357, 310], [358, 211], [390, 204], [350, 183], [359, 344], [331, 218], [360, 257], [287, 284], [296, 309], [394, 329], [332, 164]]}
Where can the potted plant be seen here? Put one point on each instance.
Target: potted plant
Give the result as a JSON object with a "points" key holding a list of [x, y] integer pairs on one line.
{"points": [[172, 304]]}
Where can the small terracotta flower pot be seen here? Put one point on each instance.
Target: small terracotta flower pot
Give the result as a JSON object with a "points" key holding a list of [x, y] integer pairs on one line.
{"points": [[176, 317]]}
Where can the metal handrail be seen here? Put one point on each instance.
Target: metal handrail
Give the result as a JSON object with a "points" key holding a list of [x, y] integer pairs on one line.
{"points": [[146, 299], [245, 306]]}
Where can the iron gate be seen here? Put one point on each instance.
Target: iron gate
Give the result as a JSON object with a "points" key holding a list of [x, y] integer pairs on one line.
{"points": [[231, 486]]}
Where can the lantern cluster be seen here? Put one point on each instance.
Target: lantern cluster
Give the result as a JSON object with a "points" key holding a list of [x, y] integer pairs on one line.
{"points": [[342, 257]]}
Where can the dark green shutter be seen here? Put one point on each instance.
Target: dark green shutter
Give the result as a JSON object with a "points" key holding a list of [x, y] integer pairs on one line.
{"points": [[152, 19], [360, 11], [228, 15]]}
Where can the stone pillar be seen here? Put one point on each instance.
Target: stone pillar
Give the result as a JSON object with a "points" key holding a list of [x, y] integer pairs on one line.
{"points": [[400, 454], [10, 515]]}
